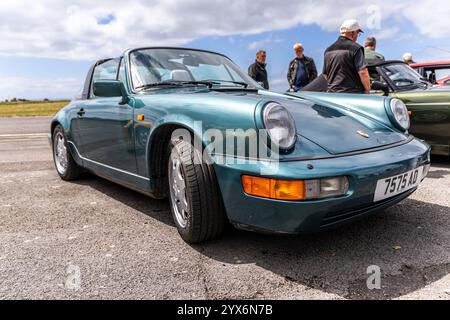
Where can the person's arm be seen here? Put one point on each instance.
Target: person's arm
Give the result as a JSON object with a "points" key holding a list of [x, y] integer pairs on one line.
{"points": [[290, 81], [365, 79], [361, 66], [252, 72], [324, 71]]}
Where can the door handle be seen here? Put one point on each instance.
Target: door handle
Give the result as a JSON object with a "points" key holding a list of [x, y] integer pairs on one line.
{"points": [[81, 112]]}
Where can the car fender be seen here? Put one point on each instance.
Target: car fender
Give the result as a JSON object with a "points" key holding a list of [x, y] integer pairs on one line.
{"points": [[61, 118], [374, 107]]}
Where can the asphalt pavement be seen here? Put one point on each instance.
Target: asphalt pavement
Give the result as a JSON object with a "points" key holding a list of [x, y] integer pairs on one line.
{"points": [[92, 239]]}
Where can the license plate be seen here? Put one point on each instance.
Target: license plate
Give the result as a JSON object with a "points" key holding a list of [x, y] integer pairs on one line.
{"points": [[393, 186]]}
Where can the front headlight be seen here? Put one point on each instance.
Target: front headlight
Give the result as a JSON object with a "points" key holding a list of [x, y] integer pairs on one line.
{"points": [[280, 125], [400, 113]]}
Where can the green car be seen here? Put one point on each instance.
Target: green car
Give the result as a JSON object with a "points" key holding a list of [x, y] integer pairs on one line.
{"points": [[190, 126], [429, 105]]}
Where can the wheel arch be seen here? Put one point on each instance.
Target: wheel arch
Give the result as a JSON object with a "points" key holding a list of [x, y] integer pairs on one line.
{"points": [[53, 126], [61, 120], [157, 155]]}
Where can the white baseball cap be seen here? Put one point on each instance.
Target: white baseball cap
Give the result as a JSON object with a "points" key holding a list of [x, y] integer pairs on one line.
{"points": [[407, 57], [351, 25]]}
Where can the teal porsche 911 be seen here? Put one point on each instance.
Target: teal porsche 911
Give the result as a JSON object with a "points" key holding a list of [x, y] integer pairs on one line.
{"points": [[190, 126]]}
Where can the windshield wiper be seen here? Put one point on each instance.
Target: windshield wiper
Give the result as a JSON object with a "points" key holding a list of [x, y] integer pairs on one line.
{"points": [[404, 80], [157, 84], [243, 84], [209, 84], [206, 83], [426, 83]]}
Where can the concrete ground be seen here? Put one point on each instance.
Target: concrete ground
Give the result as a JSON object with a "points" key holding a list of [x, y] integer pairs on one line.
{"points": [[92, 239]]}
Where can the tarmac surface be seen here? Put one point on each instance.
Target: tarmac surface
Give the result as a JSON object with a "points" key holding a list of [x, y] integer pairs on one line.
{"points": [[92, 239]]}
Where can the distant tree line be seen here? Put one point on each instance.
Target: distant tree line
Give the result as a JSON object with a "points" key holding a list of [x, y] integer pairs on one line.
{"points": [[17, 100]]}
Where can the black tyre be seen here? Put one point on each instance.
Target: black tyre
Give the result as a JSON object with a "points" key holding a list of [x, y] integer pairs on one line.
{"points": [[65, 165], [195, 200]]}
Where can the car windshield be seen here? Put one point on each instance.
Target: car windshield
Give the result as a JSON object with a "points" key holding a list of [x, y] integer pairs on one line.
{"points": [[403, 76], [175, 67]]}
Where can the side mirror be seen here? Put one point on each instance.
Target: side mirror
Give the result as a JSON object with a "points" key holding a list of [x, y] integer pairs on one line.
{"points": [[109, 89], [380, 86]]}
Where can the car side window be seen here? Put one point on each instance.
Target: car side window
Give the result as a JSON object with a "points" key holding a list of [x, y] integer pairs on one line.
{"points": [[442, 73], [105, 71], [121, 74]]}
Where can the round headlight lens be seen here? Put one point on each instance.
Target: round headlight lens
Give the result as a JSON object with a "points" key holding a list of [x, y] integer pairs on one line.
{"points": [[400, 113], [280, 125]]}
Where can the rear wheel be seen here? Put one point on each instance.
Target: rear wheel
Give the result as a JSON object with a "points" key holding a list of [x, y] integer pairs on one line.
{"points": [[64, 162], [195, 199]]}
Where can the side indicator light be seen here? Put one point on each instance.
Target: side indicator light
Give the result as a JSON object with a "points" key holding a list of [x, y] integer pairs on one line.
{"points": [[290, 190], [295, 190], [141, 117]]}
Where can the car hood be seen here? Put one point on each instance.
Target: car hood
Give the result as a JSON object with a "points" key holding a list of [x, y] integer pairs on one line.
{"points": [[338, 129], [334, 128], [436, 94], [439, 89]]}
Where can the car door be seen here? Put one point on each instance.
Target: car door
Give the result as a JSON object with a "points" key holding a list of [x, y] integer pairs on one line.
{"points": [[107, 127], [75, 114]]}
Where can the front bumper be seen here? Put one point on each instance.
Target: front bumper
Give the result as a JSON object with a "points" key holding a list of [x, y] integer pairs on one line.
{"points": [[363, 171]]}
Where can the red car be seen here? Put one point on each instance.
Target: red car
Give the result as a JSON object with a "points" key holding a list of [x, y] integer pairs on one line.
{"points": [[436, 72], [444, 82]]}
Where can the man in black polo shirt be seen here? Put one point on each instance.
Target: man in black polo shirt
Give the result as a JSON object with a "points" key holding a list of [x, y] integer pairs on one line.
{"points": [[344, 67]]}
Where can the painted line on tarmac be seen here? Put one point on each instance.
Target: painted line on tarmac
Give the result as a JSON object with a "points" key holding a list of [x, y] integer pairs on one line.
{"points": [[24, 135]]}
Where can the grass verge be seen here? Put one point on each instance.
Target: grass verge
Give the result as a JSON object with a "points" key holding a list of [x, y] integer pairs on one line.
{"points": [[31, 109]]}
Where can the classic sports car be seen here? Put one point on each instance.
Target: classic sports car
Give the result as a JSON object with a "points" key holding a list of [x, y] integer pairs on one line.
{"points": [[444, 81], [435, 72], [429, 105], [148, 120]]}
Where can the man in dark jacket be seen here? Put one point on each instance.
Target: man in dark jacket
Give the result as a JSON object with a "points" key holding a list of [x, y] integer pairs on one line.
{"points": [[257, 71], [302, 70]]}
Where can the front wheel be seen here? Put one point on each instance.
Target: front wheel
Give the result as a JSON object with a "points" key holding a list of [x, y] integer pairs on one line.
{"points": [[64, 162], [195, 199]]}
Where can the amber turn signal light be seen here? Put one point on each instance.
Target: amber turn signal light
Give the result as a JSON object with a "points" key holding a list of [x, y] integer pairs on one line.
{"points": [[289, 190]]}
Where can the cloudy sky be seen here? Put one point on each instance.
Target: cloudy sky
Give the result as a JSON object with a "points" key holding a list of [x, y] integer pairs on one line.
{"points": [[48, 45]]}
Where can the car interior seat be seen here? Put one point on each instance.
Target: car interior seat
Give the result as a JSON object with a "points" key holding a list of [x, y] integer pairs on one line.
{"points": [[432, 77], [180, 75]]}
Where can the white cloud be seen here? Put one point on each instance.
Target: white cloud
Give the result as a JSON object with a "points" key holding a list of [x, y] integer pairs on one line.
{"points": [[38, 88], [388, 33], [57, 29], [431, 17], [260, 44], [432, 53]]}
